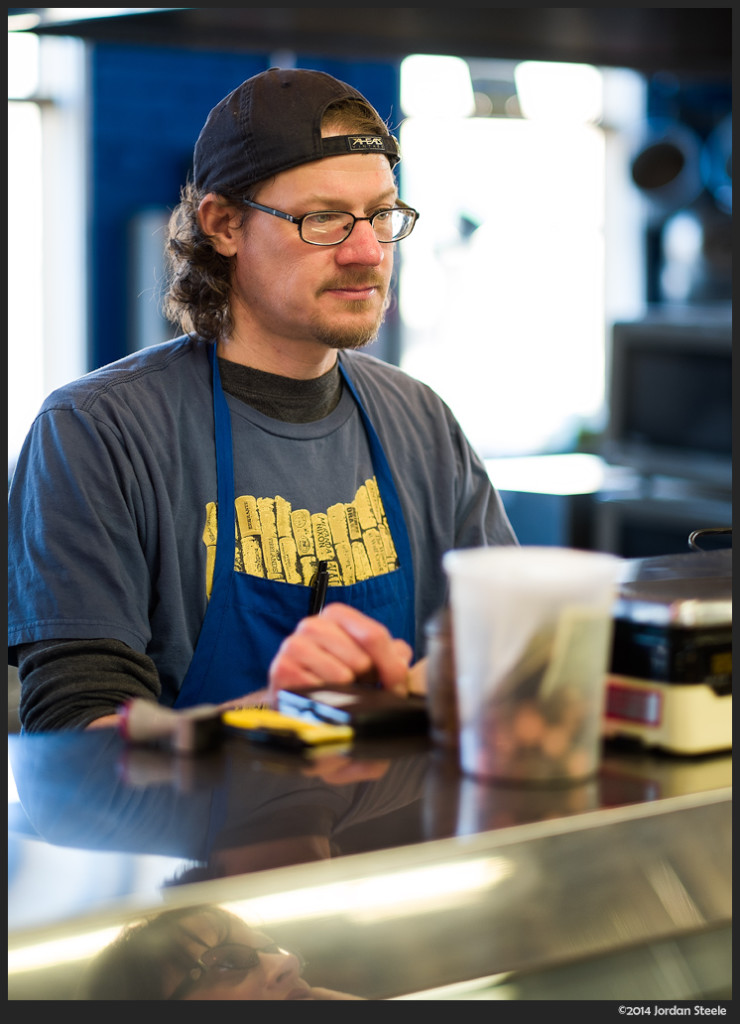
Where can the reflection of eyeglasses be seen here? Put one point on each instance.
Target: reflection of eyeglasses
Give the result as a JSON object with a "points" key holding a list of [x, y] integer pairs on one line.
{"points": [[331, 227], [229, 958]]}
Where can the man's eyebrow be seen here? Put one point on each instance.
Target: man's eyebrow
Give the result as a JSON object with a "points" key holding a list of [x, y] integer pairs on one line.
{"points": [[192, 936], [390, 194]]}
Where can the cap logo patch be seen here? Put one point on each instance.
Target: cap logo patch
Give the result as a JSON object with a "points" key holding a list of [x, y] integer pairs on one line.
{"points": [[366, 142]]}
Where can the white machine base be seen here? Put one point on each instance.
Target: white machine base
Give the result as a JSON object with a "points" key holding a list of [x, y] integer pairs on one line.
{"points": [[685, 718]]}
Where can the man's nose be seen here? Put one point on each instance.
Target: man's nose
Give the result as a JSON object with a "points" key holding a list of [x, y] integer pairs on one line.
{"points": [[361, 246], [281, 965]]}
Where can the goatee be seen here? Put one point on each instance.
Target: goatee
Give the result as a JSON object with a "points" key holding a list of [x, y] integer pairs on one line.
{"points": [[348, 337], [351, 336]]}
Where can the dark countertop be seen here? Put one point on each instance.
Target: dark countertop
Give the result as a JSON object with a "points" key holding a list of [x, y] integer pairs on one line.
{"points": [[128, 827]]}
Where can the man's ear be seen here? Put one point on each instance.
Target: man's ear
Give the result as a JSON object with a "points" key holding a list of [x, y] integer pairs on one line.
{"points": [[220, 222]]}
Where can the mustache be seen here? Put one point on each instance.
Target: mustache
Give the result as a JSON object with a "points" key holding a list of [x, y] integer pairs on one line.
{"points": [[356, 279]]}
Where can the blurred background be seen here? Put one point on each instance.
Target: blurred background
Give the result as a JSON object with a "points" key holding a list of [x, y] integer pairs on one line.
{"points": [[568, 287]]}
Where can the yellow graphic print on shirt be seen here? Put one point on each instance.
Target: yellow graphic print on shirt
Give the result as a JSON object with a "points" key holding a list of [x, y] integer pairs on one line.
{"points": [[278, 542]]}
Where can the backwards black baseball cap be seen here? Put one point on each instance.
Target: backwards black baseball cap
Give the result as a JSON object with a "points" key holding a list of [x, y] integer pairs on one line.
{"points": [[271, 123]]}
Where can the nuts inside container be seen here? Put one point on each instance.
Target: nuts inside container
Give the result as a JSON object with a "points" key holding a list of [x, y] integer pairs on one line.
{"points": [[441, 692]]}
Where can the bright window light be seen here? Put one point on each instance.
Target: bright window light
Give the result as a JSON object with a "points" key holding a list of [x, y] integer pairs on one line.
{"points": [[559, 92], [46, 328], [436, 87], [25, 306], [571, 473], [502, 283], [23, 67]]}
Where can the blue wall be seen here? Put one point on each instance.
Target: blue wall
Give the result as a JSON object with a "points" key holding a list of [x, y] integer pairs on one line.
{"points": [[147, 106]]}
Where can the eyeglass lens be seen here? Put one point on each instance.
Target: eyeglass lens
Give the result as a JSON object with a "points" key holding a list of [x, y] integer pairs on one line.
{"points": [[233, 956], [330, 227]]}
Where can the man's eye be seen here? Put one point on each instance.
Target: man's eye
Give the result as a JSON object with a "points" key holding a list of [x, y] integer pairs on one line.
{"points": [[327, 219], [271, 947], [227, 965]]}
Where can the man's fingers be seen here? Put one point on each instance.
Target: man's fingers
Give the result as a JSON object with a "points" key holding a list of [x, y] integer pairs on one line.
{"points": [[340, 645], [389, 656]]}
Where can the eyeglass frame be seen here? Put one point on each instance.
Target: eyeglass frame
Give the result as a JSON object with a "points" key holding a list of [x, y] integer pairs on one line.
{"points": [[298, 221], [201, 966]]}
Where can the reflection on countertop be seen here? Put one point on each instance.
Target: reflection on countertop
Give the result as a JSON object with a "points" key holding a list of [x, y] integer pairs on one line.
{"points": [[397, 876]]}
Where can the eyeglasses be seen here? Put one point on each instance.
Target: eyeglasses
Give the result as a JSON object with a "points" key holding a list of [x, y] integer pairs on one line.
{"points": [[332, 227], [229, 958]]}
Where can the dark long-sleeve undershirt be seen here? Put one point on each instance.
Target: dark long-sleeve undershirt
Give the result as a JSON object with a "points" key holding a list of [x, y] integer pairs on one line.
{"points": [[66, 684]]}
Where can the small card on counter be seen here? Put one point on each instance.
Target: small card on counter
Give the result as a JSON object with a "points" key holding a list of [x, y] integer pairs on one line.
{"points": [[367, 710]]}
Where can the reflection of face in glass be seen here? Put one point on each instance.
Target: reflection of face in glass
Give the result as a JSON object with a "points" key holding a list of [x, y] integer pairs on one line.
{"points": [[231, 961], [200, 952]]}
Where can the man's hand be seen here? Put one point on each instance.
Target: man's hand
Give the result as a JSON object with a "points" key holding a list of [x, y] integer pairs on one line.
{"points": [[340, 645]]}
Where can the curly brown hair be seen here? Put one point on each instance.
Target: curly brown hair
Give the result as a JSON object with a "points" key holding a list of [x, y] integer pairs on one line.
{"points": [[136, 963], [198, 279], [133, 965]]}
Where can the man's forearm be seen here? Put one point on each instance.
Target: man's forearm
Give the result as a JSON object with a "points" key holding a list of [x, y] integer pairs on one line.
{"points": [[71, 684]]}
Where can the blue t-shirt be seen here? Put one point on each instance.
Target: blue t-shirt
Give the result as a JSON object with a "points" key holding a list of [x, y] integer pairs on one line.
{"points": [[111, 507]]}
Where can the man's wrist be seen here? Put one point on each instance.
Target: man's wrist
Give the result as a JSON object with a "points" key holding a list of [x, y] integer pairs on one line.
{"points": [[105, 722]]}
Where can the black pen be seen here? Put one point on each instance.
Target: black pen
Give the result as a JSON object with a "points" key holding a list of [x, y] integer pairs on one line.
{"points": [[318, 588]]}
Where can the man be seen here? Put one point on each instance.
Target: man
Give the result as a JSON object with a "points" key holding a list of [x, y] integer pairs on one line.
{"points": [[175, 516]]}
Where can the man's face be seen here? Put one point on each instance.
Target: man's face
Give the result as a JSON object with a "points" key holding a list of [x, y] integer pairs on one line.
{"points": [[276, 976], [288, 290]]}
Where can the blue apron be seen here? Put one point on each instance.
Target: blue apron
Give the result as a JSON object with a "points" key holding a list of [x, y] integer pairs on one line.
{"points": [[248, 617]]}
